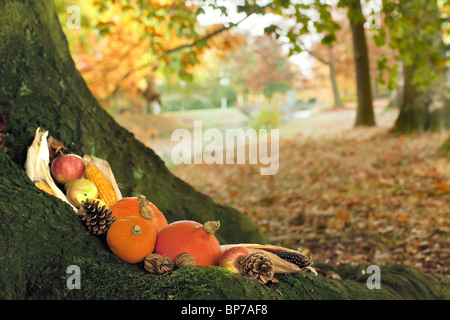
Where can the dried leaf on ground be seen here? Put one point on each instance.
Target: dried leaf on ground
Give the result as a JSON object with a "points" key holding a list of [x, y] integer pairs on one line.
{"points": [[363, 196]]}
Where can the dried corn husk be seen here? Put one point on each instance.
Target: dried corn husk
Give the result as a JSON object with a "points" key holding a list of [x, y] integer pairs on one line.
{"points": [[37, 164], [280, 265], [44, 186], [105, 168]]}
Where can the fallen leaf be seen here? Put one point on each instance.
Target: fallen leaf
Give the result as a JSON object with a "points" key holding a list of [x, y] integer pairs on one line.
{"points": [[442, 186], [402, 219], [54, 146]]}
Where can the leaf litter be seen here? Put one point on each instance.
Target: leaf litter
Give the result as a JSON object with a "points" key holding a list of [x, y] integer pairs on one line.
{"points": [[364, 196]]}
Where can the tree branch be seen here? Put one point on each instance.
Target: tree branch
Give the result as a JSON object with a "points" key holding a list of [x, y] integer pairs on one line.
{"points": [[194, 43], [313, 54], [210, 35], [180, 47]]}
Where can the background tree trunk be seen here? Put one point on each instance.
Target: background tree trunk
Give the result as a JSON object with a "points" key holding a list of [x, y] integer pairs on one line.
{"points": [[40, 236], [334, 85], [365, 115], [423, 111], [425, 101]]}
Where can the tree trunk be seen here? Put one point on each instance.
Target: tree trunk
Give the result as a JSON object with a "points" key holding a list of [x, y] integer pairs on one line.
{"points": [[423, 111], [41, 239], [337, 97], [425, 108], [365, 115]]}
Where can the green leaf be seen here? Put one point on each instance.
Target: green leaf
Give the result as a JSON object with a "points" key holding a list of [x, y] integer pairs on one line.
{"points": [[186, 76], [380, 37], [200, 11], [271, 29], [328, 39]]}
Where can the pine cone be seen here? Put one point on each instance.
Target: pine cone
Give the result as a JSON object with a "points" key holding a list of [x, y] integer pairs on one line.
{"points": [[259, 266], [97, 219]]}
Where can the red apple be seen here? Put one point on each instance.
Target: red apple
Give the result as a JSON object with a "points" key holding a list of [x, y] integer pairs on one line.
{"points": [[79, 190], [67, 167], [232, 258]]}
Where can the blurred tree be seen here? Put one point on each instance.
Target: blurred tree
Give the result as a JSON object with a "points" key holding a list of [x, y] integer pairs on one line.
{"points": [[415, 30], [126, 41], [315, 17], [239, 63], [364, 115], [271, 73], [337, 57], [257, 66]]}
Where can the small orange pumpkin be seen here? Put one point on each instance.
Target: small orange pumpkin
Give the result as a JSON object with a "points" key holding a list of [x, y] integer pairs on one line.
{"points": [[192, 237], [131, 239], [139, 207]]}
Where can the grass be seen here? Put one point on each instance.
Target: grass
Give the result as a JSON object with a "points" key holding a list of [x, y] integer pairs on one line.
{"points": [[214, 118]]}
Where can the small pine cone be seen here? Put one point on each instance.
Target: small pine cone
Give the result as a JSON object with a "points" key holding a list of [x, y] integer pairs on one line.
{"points": [[157, 264], [184, 260], [259, 266], [97, 218]]}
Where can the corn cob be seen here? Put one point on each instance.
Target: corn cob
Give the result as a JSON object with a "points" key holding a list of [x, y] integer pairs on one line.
{"points": [[294, 257], [105, 190], [44, 186], [285, 260]]}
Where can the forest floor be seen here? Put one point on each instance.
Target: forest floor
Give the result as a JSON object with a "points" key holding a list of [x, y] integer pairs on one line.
{"points": [[345, 195]]}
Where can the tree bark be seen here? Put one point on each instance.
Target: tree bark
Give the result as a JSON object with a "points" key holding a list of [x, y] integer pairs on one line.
{"points": [[423, 111], [334, 85], [41, 237], [331, 65], [364, 114], [428, 108]]}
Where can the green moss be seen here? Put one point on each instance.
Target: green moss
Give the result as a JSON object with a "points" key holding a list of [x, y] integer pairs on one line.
{"points": [[118, 279]]}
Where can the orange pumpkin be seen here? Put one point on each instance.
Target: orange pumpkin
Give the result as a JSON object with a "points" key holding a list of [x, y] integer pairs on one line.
{"points": [[192, 237], [139, 207], [131, 239]]}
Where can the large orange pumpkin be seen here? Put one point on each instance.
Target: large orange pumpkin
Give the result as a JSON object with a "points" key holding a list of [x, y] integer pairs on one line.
{"points": [[139, 207], [192, 237], [131, 239]]}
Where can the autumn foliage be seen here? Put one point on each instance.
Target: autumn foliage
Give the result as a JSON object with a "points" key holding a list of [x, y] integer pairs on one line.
{"points": [[132, 41]]}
